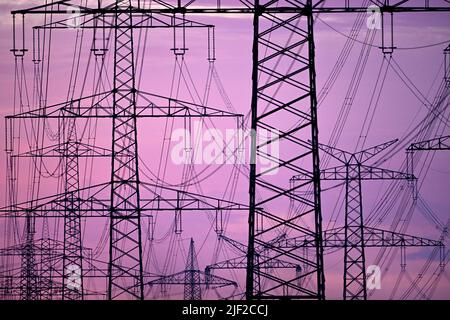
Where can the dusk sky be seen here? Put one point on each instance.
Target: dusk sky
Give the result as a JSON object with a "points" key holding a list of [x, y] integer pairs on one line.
{"points": [[412, 76]]}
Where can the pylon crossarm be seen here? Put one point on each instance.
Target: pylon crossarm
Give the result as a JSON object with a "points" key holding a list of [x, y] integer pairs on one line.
{"points": [[339, 173], [440, 143], [160, 105], [179, 278], [379, 237], [59, 150], [56, 205], [336, 153], [96, 204], [374, 173], [100, 106], [364, 155], [373, 237], [72, 107], [335, 173], [265, 262], [170, 199], [95, 20], [238, 6], [234, 244], [234, 263]]}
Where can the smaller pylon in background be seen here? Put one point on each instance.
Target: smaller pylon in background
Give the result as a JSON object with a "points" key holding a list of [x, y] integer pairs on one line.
{"points": [[192, 288], [192, 278], [29, 275]]}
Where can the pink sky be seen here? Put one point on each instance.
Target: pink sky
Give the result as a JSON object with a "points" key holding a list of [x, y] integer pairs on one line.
{"points": [[398, 110]]}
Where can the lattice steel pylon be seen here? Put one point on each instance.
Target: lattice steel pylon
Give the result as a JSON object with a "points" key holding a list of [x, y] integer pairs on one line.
{"points": [[353, 172], [70, 150], [125, 225], [73, 256], [284, 102], [46, 281], [29, 276], [192, 278], [192, 288]]}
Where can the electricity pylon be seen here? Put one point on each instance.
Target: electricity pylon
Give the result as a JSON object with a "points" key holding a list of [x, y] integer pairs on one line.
{"points": [[70, 150], [353, 171], [192, 278], [29, 277]]}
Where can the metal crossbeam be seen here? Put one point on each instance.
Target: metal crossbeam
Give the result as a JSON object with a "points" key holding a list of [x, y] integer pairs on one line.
{"points": [[373, 237], [248, 7], [439, 143]]}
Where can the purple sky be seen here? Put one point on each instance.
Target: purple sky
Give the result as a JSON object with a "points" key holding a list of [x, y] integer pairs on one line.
{"points": [[397, 111]]}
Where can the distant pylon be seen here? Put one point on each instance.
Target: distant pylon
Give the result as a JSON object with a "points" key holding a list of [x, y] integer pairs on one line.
{"points": [[192, 289], [192, 278]]}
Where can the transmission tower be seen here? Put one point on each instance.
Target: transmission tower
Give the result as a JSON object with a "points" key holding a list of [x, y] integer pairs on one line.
{"points": [[192, 278], [353, 172], [29, 276], [297, 16]]}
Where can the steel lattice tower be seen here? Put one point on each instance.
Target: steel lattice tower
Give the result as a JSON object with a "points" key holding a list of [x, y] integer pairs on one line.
{"points": [[353, 172], [192, 278], [192, 289], [73, 257], [46, 285], [267, 110], [29, 276], [125, 224]]}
